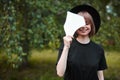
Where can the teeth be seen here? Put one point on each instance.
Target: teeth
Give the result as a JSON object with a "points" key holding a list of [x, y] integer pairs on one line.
{"points": [[83, 29]]}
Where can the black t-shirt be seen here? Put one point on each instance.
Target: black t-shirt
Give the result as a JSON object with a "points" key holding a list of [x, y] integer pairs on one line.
{"points": [[84, 60]]}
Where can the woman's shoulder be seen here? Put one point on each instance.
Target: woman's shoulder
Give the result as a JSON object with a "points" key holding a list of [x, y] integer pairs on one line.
{"points": [[97, 45]]}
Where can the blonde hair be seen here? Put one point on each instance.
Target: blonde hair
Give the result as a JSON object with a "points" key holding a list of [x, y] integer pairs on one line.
{"points": [[89, 20]]}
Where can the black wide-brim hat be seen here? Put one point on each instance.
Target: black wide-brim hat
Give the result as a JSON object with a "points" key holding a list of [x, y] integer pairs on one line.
{"points": [[92, 11]]}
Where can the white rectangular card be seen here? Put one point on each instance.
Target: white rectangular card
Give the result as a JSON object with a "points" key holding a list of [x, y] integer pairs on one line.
{"points": [[72, 23]]}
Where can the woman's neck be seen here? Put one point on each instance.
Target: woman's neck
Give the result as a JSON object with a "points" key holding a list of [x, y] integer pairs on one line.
{"points": [[83, 39]]}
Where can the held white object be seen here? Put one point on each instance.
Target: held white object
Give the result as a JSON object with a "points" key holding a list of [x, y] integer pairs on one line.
{"points": [[72, 23]]}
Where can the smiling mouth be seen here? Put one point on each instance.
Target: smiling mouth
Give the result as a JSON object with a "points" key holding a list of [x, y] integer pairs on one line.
{"points": [[83, 29]]}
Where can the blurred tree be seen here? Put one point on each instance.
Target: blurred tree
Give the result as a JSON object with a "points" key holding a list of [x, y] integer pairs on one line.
{"points": [[27, 24], [108, 35]]}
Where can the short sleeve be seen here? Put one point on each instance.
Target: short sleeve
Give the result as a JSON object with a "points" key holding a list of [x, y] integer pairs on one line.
{"points": [[102, 62], [59, 52]]}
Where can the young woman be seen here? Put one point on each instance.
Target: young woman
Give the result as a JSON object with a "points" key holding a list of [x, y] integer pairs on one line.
{"points": [[81, 58]]}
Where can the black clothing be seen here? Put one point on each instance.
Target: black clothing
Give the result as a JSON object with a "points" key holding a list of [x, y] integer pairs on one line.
{"points": [[84, 60]]}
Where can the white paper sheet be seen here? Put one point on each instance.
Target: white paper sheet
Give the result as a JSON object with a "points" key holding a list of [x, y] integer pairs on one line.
{"points": [[72, 23]]}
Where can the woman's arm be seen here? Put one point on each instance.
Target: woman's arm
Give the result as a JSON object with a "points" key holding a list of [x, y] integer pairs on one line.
{"points": [[100, 75], [62, 63]]}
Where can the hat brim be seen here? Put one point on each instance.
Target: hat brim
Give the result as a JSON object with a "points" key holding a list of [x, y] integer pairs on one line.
{"points": [[92, 11]]}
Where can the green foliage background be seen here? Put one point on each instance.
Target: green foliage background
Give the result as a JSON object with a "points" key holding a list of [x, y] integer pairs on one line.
{"points": [[28, 24]]}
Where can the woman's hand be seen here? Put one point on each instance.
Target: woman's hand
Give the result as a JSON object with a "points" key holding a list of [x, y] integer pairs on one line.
{"points": [[67, 41]]}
